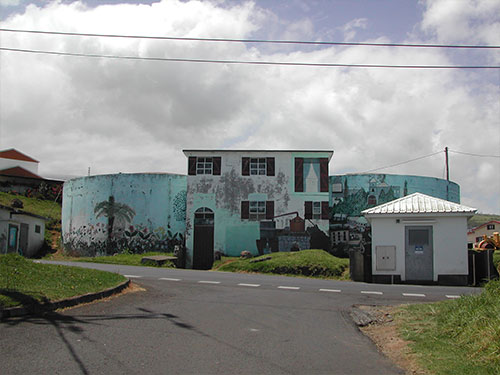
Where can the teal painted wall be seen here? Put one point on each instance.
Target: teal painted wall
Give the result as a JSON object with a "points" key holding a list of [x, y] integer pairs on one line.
{"points": [[147, 211]]}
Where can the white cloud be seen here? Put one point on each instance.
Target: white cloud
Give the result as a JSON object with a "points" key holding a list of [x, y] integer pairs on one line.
{"points": [[350, 28], [9, 3], [135, 116]]}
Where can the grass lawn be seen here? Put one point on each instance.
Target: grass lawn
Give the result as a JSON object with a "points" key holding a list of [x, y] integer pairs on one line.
{"points": [[456, 337], [315, 263], [23, 282], [125, 259]]}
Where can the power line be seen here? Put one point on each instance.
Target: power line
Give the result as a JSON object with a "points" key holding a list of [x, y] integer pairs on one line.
{"points": [[249, 62], [404, 162], [478, 155], [463, 46]]}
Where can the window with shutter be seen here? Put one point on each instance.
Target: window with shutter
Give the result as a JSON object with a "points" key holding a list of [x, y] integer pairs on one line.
{"points": [[325, 211], [308, 210], [192, 165], [245, 212], [269, 209], [323, 175], [270, 166], [299, 174], [217, 165], [245, 166]]}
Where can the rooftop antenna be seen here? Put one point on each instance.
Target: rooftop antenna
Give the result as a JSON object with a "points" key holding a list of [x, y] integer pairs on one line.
{"points": [[447, 165], [88, 172]]}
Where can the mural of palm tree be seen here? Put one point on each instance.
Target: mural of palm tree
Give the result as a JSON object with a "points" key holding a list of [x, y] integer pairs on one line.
{"points": [[113, 211]]}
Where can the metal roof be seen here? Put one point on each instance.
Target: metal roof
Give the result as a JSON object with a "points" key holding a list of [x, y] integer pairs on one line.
{"points": [[418, 203]]}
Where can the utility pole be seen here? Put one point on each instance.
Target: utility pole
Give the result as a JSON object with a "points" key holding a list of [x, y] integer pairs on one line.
{"points": [[447, 165]]}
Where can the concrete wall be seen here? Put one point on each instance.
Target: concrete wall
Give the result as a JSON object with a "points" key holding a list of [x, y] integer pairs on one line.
{"points": [[148, 212], [223, 195], [449, 242]]}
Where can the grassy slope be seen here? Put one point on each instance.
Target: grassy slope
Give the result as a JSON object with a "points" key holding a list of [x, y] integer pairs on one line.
{"points": [[21, 281], [316, 263], [456, 337]]}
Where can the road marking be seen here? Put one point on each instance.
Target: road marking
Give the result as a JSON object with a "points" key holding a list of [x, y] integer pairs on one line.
{"points": [[208, 282], [168, 279], [452, 296], [330, 290], [413, 295], [133, 276], [370, 292], [289, 287], [252, 285]]}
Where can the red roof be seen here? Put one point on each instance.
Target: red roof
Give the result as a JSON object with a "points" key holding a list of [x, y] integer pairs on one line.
{"points": [[482, 225], [16, 155], [19, 172]]}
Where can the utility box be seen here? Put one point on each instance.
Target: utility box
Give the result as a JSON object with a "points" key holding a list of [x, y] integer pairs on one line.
{"points": [[385, 258]]}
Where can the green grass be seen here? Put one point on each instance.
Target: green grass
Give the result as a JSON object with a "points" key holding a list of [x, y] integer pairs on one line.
{"points": [[23, 282], [496, 259], [125, 259], [456, 337], [45, 208], [479, 219], [315, 263]]}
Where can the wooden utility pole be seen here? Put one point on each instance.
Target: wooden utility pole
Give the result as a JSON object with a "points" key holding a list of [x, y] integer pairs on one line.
{"points": [[447, 165]]}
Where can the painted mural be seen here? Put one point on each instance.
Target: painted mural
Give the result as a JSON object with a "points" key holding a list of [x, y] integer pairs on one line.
{"points": [[108, 214], [352, 193]]}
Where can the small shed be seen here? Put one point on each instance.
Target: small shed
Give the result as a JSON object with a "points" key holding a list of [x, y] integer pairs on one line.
{"points": [[20, 231], [419, 239]]}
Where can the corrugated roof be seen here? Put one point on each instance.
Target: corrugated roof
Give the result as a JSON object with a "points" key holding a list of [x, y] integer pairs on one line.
{"points": [[16, 155], [418, 203], [19, 172]]}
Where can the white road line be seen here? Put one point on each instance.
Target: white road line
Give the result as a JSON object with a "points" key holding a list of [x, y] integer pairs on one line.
{"points": [[371, 292], [330, 290], [208, 282], [452, 296], [168, 279], [133, 276], [413, 295], [289, 287], [252, 285]]}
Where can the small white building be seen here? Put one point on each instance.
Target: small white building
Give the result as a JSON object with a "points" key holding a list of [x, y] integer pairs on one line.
{"points": [[20, 232], [419, 238]]}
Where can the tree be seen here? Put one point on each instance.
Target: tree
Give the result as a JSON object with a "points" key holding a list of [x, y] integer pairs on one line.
{"points": [[113, 210]]}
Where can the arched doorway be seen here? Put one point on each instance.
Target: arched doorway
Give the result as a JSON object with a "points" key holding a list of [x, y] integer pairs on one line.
{"points": [[203, 247]]}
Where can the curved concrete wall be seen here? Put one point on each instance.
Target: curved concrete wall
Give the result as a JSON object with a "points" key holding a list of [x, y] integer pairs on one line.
{"points": [[111, 213]]}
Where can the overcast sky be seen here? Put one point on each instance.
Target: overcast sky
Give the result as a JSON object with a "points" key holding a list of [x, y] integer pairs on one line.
{"points": [[72, 113]]}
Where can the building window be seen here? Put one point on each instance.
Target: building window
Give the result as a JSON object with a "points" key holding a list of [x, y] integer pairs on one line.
{"points": [[257, 210], [316, 214], [490, 226], [204, 165], [37, 228], [258, 166], [316, 210], [479, 239]]}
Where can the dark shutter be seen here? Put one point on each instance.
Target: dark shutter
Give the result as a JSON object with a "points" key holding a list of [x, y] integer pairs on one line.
{"points": [[323, 175], [192, 166], [217, 163], [308, 210], [270, 166], [245, 166], [269, 209], [325, 214], [245, 209], [299, 174]]}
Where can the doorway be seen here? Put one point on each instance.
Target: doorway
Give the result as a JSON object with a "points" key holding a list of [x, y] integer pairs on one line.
{"points": [[419, 253], [23, 239], [203, 247]]}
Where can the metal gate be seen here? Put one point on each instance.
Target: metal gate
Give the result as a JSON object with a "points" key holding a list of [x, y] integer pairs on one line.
{"points": [[203, 247], [419, 259]]}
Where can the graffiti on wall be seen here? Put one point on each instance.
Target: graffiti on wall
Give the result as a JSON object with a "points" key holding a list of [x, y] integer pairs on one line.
{"points": [[179, 206]]}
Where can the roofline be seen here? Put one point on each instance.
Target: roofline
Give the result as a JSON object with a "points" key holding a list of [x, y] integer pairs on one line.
{"points": [[418, 214], [21, 212], [331, 152], [482, 225], [22, 153]]}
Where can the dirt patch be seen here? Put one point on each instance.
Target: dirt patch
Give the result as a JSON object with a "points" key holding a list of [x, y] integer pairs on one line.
{"points": [[383, 331]]}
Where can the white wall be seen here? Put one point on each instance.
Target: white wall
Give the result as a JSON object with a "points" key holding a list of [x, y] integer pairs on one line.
{"points": [[11, 163], [35, 240], [449, 243]]}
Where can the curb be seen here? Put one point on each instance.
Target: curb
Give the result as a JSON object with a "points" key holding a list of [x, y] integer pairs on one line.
{"points": [[63, 303]]}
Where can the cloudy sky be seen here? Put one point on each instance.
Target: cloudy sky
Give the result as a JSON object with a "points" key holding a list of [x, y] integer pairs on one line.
{"points": [[118, 115]]}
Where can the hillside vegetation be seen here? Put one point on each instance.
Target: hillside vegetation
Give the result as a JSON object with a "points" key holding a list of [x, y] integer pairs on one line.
{"points": [[479, 219]]}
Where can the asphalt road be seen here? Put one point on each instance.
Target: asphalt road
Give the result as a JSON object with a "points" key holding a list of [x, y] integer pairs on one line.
{"points": [[202, 322]]}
